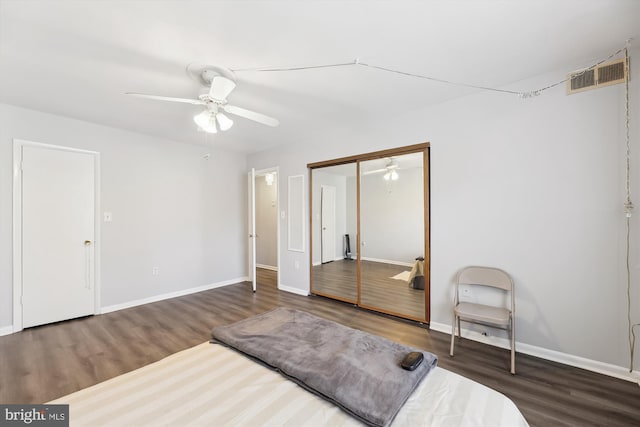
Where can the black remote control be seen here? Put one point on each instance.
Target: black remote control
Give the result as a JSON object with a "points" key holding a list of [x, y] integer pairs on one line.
{"points": [[412, 360]]}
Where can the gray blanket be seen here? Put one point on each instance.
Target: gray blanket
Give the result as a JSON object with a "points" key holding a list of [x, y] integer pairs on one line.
{"points": [[359, 372]]}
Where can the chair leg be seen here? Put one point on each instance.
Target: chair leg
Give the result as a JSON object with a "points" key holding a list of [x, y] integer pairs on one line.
{"points": [[513, 347], [453, 334], [459, 329]]}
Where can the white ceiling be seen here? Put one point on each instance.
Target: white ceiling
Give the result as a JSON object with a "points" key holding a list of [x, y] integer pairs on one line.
{"points": [[78, 58]]}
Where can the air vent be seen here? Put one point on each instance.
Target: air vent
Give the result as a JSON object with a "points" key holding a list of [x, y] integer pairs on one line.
{"points": [[582, 81], [609, 73]]}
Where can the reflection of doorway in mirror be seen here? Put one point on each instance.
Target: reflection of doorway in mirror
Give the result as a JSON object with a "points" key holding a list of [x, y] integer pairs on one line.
{"points": [[338, 278], [328, 223]]}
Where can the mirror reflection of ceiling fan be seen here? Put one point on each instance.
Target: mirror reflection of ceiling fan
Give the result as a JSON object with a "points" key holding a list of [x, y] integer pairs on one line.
{"points": [[221, 83], [390, 170]]}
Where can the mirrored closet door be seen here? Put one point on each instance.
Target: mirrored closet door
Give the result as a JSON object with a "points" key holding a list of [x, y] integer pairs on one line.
{"points": [[392, 235], [370, 231], [334, 267]]}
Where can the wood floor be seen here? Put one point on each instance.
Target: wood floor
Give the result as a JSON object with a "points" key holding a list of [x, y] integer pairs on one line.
{"points": [[266, 277], [43, 363]]}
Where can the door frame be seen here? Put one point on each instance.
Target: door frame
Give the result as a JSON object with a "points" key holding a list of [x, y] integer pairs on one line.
{"points": [[251, 214], [17, 224], [251, 228]]}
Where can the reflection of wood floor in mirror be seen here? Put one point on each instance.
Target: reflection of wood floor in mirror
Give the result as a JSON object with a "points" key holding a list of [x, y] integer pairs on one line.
{"points": [[338, 278], [379, 290]]}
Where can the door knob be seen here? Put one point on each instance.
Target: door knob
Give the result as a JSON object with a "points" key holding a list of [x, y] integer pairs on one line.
{"points": [[87, 242]]}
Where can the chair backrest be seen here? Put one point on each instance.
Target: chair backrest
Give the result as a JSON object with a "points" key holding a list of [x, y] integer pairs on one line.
{"points": [[486, 276]]}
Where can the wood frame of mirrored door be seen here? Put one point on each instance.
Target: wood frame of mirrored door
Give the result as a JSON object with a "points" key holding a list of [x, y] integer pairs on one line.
{"points": [[416, 148]]}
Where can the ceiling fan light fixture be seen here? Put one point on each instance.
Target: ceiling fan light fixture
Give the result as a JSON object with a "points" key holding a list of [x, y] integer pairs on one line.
{"points": [[221, 82], [224, 122], [269, 178], [206, 121], [391, 175]]}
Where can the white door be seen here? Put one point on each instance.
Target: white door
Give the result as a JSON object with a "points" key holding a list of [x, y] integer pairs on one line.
{"points": [[251, 190], [328, 223], [58, 226]]}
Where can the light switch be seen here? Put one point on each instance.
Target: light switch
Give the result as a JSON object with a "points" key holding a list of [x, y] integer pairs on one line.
{"points": [[107, 217], [282, 214]]}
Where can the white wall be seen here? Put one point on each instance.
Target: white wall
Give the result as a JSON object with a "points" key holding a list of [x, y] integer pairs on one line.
{"points": [[169, 208], [534, 186]]}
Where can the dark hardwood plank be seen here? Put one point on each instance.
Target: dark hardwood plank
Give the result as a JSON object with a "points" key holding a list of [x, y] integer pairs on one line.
{"points": [[43, 363]]}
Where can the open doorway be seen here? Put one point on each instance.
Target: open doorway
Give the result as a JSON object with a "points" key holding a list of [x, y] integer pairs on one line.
{"points": [[266, 226]]}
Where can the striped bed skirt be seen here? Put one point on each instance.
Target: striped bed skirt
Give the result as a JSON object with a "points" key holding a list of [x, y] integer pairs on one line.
{"points": [[211, 385]]}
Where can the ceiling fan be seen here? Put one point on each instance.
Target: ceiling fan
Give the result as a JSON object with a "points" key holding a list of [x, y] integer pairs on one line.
{"points": [[221, 83], [389, 170]]}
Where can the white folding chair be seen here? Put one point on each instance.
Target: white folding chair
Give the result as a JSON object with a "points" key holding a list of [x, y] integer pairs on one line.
{"points": [[495, 316]]}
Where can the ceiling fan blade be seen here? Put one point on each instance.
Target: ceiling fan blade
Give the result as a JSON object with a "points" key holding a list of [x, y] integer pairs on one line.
{"points": [[221, 87], [167, 98], [374, 171], [251, 115]]}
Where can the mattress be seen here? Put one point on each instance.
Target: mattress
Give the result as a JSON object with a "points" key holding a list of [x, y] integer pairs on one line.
{"points": [[212, 385]]}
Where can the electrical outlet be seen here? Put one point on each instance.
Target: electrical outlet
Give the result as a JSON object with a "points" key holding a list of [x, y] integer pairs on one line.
{"points": [[155, 271]]}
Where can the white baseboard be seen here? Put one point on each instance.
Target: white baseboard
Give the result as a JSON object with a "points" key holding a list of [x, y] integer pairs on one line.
{"points": [[543, 353], [384, 261], [293, 290], [6, 330], [156, 298], [317, 263], [388, 261], [267, 267]]}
